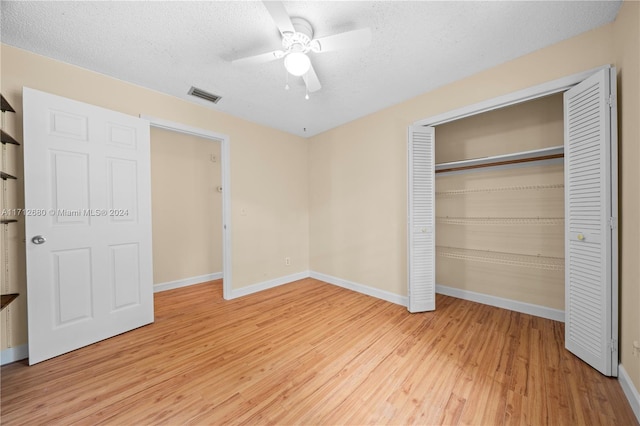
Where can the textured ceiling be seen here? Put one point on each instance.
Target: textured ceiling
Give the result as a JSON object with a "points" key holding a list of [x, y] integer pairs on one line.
{"points": [[416, 47]]}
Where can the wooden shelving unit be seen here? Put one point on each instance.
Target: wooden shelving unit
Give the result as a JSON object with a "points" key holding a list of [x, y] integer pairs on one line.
{"points": [[7, 298], [5, 176], [5, 106], [7, 139]]}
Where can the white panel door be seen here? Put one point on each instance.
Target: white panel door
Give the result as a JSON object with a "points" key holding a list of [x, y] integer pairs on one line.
{"points": [[88, 224], [421, 228], [591, 295]]}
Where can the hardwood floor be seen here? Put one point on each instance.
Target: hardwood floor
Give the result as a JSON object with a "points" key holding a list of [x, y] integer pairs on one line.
{"points": [[312, 353]]}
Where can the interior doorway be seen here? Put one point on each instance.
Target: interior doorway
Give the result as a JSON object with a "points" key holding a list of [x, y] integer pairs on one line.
{"points": [[186, 209], [209, 152]]}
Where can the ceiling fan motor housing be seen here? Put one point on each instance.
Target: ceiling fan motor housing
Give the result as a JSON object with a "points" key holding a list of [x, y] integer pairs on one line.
{"points": [[300, 40]]}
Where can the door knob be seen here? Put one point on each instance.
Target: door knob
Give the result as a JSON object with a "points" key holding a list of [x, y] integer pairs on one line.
{"points": [[39, 239]]}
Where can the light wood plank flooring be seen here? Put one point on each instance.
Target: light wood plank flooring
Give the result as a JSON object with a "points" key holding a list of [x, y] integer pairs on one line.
{"points": [[313, 353]]}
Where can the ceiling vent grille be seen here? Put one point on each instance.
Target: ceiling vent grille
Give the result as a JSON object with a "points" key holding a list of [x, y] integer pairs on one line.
{"points": [[199, 93]]}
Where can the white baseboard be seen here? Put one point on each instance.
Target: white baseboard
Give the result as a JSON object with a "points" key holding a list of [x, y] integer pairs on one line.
{"points": [[361, 288], [9, 355], [513, 305], [630, 391], [265, 285], [350, 285], [187, 281]]}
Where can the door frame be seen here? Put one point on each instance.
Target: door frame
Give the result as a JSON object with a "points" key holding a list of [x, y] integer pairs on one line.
{"points": [[225, 163], [536, 92]]}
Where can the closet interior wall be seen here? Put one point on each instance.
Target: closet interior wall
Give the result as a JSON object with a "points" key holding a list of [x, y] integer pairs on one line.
{"points": [[500, 230], [186, 198]]}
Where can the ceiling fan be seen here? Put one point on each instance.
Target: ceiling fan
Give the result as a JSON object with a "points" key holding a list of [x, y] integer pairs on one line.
{"points": [[298, 41]]}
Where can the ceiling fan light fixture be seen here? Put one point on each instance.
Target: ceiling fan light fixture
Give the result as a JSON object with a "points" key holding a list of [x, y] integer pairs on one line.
{"points": [[297, 63]]}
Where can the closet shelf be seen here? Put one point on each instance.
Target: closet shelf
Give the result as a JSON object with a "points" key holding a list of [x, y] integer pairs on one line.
{"points": [[6, 299], [454, 192], [5, 176], [499, 258], [7, 138], [446, 220], [5, 105], [5, 221], [502, 160]]}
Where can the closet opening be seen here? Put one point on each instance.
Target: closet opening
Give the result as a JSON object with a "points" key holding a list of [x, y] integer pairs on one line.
{"points": [[186, 200], [499, 206], [218, 158], [480, 219]]}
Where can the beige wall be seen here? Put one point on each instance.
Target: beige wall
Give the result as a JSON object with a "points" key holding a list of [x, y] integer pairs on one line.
{"points": [[186, 206], [522, 127], [268, 171], [627, 50], [358, 171]]}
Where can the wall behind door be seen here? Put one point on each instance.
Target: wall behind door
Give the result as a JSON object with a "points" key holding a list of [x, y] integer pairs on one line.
{"points": [[186, 206]]}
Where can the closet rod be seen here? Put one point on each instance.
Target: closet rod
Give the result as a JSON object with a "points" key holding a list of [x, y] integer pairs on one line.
{"points": [[501, 160]]}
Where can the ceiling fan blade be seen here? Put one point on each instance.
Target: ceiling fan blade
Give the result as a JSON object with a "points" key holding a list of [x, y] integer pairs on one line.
{"points": [[259, 59], [280, 16], [347, 40], [311, 80]]}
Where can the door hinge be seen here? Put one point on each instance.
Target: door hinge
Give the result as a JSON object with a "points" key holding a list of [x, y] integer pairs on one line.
{"points": [[612, 222], [613, 345], [611, 101]]}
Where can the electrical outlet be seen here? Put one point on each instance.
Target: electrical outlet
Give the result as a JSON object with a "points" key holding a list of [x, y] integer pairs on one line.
{"points": [[287, 261]]}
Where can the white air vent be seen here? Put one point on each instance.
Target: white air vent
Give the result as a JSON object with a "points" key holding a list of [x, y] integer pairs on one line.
{"points": [[199, 93]]}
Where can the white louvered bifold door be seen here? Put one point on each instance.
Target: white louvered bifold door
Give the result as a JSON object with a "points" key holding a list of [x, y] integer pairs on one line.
{"points": [[591, 326], [421, 238]]}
